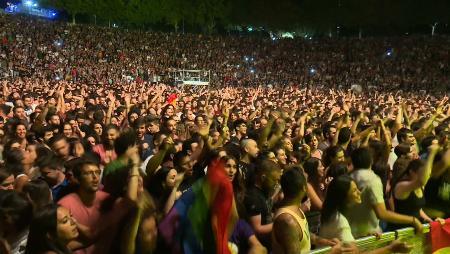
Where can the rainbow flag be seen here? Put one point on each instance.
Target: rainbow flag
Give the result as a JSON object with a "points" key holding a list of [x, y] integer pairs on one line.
{"points": [[440, 237], [203, 217]]}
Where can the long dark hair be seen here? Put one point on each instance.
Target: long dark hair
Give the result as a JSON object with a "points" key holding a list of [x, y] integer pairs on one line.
{"points": [[13, 161], [38, 192], [335, 199], [413, 166], [43, 235], [238, 185], [311, 167]]}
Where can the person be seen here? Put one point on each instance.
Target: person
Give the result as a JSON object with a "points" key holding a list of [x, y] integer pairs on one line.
{"points": [[51, 231], [364, 218], [244, 240], [20, 162], [51, 169], [240, 131], [106, 149], [258, 200], [342, 194], [20, 132], [290, 227], [141, 234], [6, 179], [16, 213], [39, 193], [407, 188], [161, 186], [312, 141], [437, 190], [316, 187], [329, 131], [85, 204], [60, 146], [239, 190], [246, 165], [243, 236]]}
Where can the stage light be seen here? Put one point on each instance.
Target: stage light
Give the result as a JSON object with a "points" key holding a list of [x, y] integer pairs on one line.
{"points": [[312, 71], [28, 3], [389, 52]]}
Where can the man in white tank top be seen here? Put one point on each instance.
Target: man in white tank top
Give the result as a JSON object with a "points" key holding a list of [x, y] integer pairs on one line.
{"points": [[290, 229]]}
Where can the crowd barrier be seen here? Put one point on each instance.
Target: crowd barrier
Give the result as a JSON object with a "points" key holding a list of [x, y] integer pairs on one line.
{"points": [[420, 242]]}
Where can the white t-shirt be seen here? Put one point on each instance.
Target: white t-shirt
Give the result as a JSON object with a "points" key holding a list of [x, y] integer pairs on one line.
{"points": [[337, 227], [362, 218]]}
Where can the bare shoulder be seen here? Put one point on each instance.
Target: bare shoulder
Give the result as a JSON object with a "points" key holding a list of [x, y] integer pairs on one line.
{"points": [[288, 233], [285, 222], [285, 218]]}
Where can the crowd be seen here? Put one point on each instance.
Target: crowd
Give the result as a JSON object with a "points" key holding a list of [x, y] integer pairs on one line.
{"points": [[95, 55], [99, 156]]}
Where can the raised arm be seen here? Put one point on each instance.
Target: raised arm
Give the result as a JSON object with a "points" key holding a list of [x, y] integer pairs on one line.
{"points": [[158, 158], [266, 131], [112, 100], [404, 188]]}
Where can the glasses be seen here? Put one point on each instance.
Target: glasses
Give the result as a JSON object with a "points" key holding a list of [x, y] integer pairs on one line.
{"points": [[92, 173]]}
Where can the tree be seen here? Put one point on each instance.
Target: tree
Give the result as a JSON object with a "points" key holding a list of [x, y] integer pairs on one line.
{"points": [[73, 7]]}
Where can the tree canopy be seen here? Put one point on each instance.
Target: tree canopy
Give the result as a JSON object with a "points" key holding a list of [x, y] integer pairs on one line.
{"points": [[319, 15]]}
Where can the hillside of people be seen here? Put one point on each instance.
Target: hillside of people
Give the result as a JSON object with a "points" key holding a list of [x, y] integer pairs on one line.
{"points": [[296, 144]]}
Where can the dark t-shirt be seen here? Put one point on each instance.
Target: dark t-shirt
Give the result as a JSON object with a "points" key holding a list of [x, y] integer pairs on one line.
{"points": [[256, 203], [247, 172]]}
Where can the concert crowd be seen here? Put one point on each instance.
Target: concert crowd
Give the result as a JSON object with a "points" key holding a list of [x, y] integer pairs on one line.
{"points": [[296, 144]]}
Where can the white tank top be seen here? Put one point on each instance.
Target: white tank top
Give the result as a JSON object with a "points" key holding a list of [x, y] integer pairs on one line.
{"points": [[305, 243]]}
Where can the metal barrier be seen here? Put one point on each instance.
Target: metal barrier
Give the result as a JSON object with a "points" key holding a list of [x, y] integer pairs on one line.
{"points": [[420, 242]]}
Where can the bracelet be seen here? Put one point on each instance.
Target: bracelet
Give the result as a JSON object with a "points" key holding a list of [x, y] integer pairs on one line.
{"points": [[135, 175], [414, 220]]}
